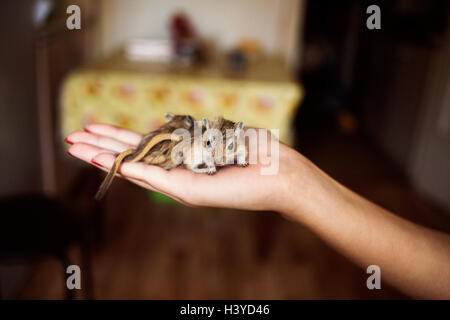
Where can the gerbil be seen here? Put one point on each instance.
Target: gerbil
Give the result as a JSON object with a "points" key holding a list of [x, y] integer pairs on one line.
{"points": [[232, 147], [200, 154], [191, 152], [149, 141]]}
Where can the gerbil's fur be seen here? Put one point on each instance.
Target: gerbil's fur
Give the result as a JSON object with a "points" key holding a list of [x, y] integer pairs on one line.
{"points": [[173, 122]]}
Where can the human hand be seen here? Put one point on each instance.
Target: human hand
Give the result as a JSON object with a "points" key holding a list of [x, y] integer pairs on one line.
{"points": [[231, 187], [300, 191]]}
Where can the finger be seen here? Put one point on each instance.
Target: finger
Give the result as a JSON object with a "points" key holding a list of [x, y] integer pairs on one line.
{"points": [[129, 170], [137, 172], [100, 141], [144, 185], [176, 182], [125, 136], [105, 159], [137, 182], [86, 152]]}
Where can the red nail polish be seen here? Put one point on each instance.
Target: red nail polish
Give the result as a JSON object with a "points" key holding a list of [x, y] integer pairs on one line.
{"points": [[96, 163], [68, 141], [87, 130], [68, 152]]}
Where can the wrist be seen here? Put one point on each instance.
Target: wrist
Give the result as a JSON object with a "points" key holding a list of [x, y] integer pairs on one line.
{"points": [[307, 191], [290, 188]]}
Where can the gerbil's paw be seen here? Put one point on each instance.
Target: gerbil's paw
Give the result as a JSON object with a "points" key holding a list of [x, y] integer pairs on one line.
{"points": [[211, 170]]}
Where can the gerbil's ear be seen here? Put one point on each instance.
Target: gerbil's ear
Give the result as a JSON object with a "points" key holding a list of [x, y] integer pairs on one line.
{"points": [[238, 127], [188, 122], [205, 123], [169, 116]]}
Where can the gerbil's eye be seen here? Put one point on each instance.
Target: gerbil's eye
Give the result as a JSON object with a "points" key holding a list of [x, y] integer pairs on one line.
{"points": [[230, 146], [208, 143]]}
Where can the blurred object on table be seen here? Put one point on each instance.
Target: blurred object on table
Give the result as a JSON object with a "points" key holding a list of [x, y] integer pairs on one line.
{"points": [[247, 51], [186, 44], [143, 49], [251, 48], [237, 60]]}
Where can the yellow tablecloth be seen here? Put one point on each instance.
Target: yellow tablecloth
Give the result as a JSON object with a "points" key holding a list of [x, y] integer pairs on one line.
{"points": [[138, 101]]}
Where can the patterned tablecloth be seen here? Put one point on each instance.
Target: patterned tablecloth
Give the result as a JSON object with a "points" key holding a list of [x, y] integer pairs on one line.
{"points": [[138, 100]]}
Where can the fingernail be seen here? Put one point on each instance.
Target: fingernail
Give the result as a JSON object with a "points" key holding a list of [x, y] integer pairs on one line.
{"points": [[68, 141], [87, 130], [70, 154], [96, 163]]}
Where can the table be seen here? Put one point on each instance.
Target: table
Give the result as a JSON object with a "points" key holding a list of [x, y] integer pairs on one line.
{"points": [[136, 95]]}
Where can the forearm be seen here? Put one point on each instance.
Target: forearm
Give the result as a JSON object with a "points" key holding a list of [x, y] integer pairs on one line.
{"points": [[412, 258]]}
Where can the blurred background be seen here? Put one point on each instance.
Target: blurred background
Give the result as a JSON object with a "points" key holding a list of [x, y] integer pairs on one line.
{"points": [[369, 107]]}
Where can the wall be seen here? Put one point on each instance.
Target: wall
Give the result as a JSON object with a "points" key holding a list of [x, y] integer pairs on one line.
{"points": [[19, 156], [431, 153], [407, 112], [397, 112], [275, 23]]}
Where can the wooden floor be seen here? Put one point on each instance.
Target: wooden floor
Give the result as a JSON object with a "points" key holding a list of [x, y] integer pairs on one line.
{"points": [[156, 251]]}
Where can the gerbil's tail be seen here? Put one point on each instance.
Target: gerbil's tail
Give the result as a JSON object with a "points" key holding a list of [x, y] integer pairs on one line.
{"points": [[110, 176], [153, 142], [134, 158]]}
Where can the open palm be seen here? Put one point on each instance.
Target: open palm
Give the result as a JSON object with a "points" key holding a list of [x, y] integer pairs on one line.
{"points": [[231, 187]]}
